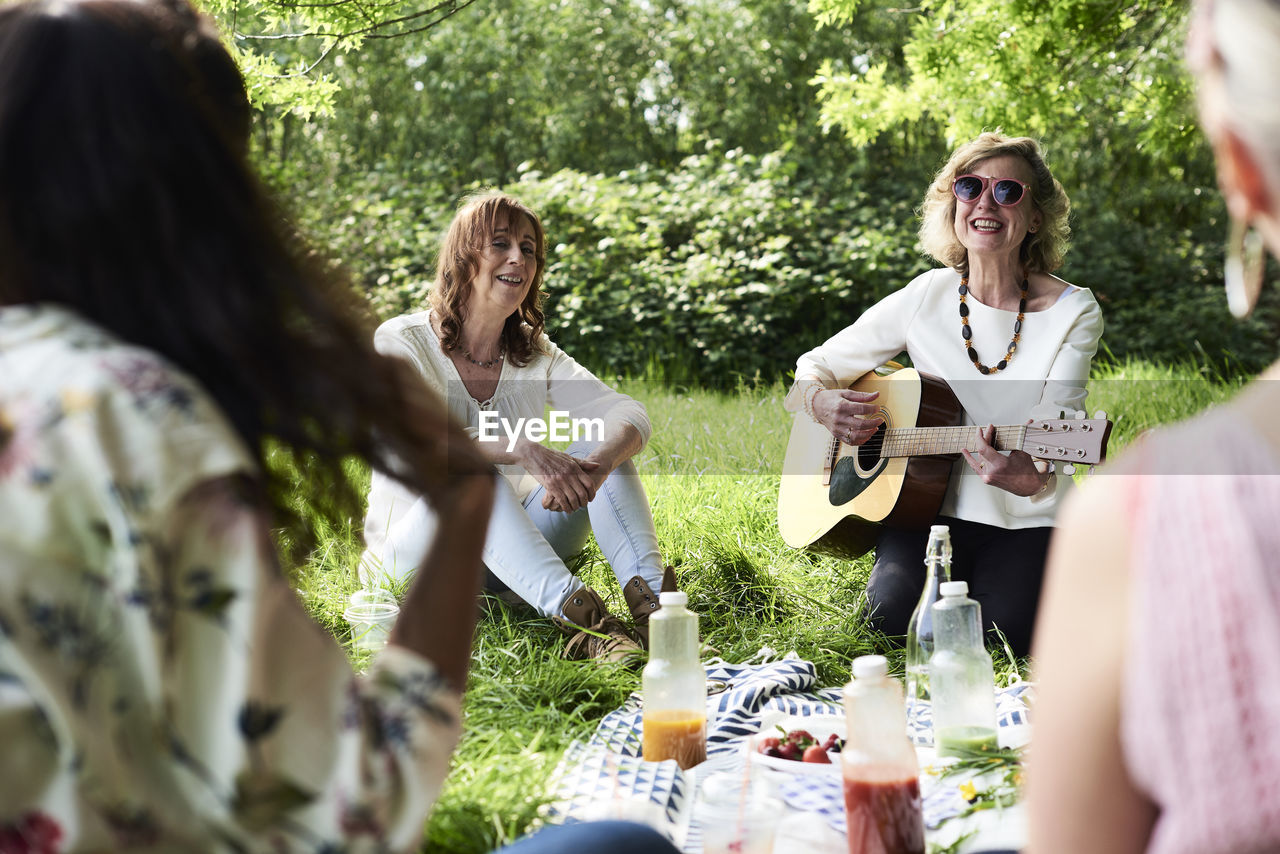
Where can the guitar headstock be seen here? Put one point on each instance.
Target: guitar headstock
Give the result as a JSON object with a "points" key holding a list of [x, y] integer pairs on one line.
{"points": [[1078, 441]]}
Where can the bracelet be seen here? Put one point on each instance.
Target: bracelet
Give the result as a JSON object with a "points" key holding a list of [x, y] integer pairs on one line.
{"points": [[809, 394]]}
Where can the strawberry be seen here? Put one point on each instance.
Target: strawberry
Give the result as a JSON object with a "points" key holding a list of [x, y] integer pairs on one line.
{"points": [[801, 737], [766, 743], [815, 753], [789, 750]]}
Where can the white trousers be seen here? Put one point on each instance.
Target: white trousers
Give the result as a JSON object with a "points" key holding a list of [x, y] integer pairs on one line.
{"points": [[526, 545]]}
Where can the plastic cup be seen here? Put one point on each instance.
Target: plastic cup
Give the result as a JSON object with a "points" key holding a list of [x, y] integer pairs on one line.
{"points": [[747, 831], [374, 596], [734, 821], [371, 615]]}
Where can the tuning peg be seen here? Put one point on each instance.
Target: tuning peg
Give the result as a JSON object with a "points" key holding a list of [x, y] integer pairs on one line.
{"points": [[1100, 415], [1053, 467], [1080, 414], [1068, 469]]}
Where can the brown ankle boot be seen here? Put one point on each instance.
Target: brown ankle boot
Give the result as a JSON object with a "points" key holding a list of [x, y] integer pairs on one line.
{"points": [[643, 601], [593, 632]]}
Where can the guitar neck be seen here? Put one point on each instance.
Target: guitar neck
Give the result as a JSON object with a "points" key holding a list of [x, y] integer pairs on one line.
{"points": [[924, 441]]}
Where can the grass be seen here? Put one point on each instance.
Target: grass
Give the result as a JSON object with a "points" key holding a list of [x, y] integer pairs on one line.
{"points": [[711, 471]]}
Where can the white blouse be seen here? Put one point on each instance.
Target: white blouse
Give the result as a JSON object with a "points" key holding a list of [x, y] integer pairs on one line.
{"points": [[1046, 377], [399, 525]]}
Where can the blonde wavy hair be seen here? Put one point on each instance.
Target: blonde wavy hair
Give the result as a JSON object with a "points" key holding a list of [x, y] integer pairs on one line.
{"points": [[479, 216], [1042, 251]]}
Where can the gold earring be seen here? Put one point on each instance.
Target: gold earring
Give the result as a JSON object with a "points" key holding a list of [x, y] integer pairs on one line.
{"points": [[1243, 269]]}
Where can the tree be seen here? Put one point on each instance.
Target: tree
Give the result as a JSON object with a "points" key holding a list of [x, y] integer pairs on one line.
{"points": [[282, 44], [594, 85], [1101, 80]]}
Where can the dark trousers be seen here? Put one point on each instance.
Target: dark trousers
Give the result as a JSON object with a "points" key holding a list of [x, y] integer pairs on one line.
{"points": [[613, 837], [1004, 569]]}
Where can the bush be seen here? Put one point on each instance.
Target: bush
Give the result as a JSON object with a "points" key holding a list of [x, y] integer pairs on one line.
{"points": [[731, 266]]}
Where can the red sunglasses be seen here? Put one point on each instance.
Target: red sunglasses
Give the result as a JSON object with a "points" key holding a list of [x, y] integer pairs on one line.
{"points": [[1006, 192]]}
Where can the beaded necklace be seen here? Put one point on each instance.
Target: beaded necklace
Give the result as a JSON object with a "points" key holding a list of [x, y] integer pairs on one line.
{"points": [[502, 353], [967, 334]]}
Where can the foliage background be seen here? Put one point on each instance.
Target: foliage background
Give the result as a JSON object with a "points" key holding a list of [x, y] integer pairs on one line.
{"points": [[726, 182]]}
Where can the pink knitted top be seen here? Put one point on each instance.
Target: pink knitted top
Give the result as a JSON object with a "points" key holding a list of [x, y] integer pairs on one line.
{"points": [[1200, 719]]}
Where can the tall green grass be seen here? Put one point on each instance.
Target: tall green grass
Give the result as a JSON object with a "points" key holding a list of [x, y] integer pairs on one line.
{"points": [[711, 472]]}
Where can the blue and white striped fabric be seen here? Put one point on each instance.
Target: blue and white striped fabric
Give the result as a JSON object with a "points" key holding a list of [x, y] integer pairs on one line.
{"points": [[786, 686], [608, 768], [824, 795]]}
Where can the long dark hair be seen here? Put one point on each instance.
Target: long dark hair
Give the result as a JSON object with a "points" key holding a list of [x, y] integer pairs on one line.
{"points": [[125, 195], [478, 217]]}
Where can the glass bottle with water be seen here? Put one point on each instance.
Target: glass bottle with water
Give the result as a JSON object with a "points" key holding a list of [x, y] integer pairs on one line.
{"points": [[961, 676], [674, 686], [920, 635]]}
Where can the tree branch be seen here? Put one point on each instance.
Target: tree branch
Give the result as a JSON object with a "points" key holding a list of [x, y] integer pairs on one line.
{"points": [[373, 30]]}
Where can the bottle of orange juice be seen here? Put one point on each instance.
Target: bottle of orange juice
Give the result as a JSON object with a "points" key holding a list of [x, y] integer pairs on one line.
{"points": [[674, 686]]}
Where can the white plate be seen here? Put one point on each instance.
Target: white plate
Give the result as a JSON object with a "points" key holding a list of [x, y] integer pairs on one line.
{"points": [[819, 726]]}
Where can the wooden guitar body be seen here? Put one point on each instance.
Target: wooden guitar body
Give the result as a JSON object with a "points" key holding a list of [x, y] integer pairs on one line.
{"points": [[834, 500], [834, 497]]}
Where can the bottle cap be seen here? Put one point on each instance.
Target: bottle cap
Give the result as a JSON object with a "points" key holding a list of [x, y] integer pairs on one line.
{"points": [[870, 667], [954, 588], [673, 597], [934, 530]]}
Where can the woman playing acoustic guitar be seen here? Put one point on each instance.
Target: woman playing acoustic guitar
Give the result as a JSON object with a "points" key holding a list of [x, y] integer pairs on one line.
{"points": [[1012, 341]]}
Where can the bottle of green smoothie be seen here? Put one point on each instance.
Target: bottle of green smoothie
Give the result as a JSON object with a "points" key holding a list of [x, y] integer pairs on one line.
{"points": [[961, 676]]}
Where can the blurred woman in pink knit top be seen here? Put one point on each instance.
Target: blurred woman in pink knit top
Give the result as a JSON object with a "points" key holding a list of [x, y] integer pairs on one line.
{"points": [[1158, 716]]}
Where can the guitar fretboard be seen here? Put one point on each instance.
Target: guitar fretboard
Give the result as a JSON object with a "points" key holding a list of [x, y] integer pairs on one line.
{"points": [[925, 441], [916, 441]]}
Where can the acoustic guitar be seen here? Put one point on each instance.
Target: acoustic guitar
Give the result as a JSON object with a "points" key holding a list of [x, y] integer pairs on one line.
{"points": [[834, 496]]}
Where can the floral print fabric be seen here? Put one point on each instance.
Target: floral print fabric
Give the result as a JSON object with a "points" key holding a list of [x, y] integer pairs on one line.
{"points": [[161, 687]]}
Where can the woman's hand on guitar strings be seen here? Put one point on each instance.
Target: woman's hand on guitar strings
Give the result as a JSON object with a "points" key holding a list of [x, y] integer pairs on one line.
{"points": [[851, 416], [1014, 472]]}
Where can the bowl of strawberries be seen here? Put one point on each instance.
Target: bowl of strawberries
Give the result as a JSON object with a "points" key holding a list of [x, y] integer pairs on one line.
{"points": [[797, 744]]}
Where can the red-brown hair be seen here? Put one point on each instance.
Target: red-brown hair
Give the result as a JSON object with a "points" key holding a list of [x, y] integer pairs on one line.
{"points": [[478, 217]]}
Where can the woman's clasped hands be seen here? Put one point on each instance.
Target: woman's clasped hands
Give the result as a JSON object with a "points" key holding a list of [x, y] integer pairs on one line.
{"points": [[570, 483]]}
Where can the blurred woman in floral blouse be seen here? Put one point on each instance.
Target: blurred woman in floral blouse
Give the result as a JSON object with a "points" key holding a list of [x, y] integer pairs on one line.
{"points": [[161, 686]]}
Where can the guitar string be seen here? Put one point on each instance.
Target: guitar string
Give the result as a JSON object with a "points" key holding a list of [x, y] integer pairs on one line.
{"points": [[911, 441], [916, 441], [927, 441]]}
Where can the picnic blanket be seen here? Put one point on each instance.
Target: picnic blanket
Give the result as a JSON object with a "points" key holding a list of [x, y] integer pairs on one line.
{"points": [[607, 771]]}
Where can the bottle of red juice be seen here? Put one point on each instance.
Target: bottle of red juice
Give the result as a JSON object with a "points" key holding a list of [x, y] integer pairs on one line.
{"points": [[881, 777]]}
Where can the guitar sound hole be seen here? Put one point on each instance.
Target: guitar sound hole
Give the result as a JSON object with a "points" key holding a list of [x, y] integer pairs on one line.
{"points": [[868, 452]]}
